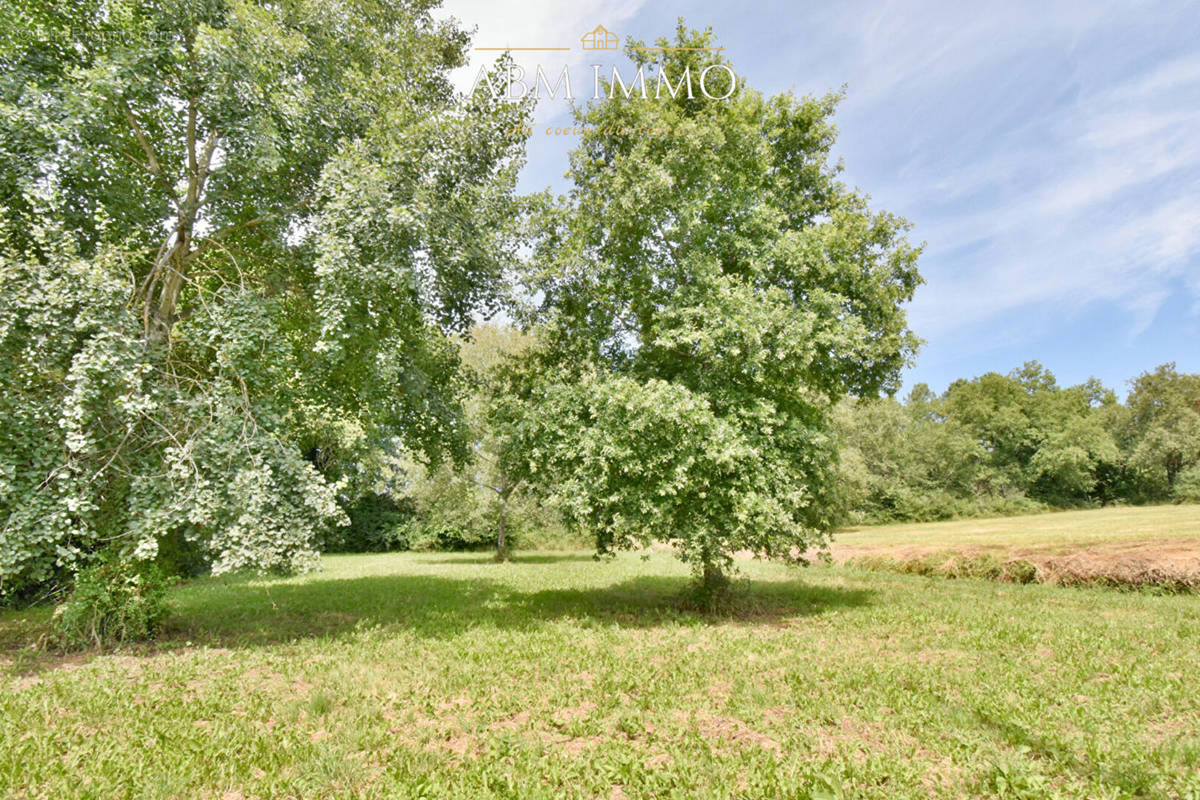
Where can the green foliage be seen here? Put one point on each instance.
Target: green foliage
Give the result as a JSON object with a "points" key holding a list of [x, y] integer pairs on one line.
{"points": [[464, 505], [379, 523], [639, 461], [95, 445], [1040, 439], [115, 601], [234, 238], [1164, 425], [452, 512], [710, 290], [1187, 486], [1016, 443]]}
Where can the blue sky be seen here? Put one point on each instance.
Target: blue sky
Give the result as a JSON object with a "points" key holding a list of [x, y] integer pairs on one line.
{"points": [[1048, 154]]}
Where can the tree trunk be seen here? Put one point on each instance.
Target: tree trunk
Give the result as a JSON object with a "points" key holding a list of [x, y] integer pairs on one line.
{"points": [[501, 544], [502, 520], [169, 269], [713, 582], [1174, 467], [164, 284], [713, 579]]}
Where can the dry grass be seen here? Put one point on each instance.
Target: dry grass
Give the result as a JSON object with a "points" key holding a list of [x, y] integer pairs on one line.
{"points": [[1156, 546]]}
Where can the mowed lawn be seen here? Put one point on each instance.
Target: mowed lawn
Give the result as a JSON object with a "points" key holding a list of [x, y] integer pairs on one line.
{"points": [[1060, 531], [434, 675], [1155, 547]]}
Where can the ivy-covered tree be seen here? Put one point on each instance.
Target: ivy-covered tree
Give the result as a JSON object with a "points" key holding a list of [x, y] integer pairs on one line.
{"points": [[709, 289], [235, 236]]}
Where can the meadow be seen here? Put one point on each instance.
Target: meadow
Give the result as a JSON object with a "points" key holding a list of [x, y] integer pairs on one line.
{"points": [[447, 675], [1058, 532], [1150, 547]]}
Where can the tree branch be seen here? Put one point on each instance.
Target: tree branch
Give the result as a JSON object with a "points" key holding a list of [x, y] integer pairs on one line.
{"points": [[210, 144], [191, 136], [154, 167], [216, 237]]}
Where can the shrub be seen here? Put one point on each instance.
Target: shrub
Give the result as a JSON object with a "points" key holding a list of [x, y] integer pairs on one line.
{"points": [[179, 556], [379, 523], [1187, 485], [134, 448], [114, 601]]}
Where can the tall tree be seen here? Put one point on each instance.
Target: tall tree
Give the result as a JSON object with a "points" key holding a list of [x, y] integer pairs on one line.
{"points": [[235, 233], [711, 288], [1164, 424]]}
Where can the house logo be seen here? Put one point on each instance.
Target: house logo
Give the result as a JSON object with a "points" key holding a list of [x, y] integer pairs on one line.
{"points": [[600, 38], [712, 81]]}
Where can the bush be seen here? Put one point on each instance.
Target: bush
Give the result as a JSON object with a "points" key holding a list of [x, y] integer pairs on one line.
{"points": [[181, 557], [907, 504], [452, 511], [1187, 485], [114, 601], [379, 523]]}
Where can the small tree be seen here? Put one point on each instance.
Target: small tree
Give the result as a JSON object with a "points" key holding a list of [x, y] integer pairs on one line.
{"points": [[710, 290], [477, 500]]}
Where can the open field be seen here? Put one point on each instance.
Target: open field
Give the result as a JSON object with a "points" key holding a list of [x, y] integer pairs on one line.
{"points": [[433, 675], [1149, 545], [1059, 531]]}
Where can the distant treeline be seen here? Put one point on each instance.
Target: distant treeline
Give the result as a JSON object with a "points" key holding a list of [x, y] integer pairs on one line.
{"points": [[990, 446], [1003, 444]]}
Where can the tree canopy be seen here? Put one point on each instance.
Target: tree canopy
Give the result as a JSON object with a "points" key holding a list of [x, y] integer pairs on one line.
{"points": [[709, 288], [245, 248], [235, 236], [999, 444]]}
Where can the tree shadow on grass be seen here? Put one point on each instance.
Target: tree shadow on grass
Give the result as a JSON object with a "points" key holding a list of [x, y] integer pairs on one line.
{"points": [[250, 614], [245, 612], [516, 558]]}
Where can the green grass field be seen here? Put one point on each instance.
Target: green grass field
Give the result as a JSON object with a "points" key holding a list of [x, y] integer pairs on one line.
{"points": [[433, 675], [1059, 531]]}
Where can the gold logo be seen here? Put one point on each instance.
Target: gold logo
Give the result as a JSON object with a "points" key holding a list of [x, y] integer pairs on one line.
{"points": [[600, 38]]}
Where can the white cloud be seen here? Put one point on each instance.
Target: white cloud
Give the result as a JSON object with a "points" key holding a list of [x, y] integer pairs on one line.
{"points": [[1101, 205], [1047, 151]]}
